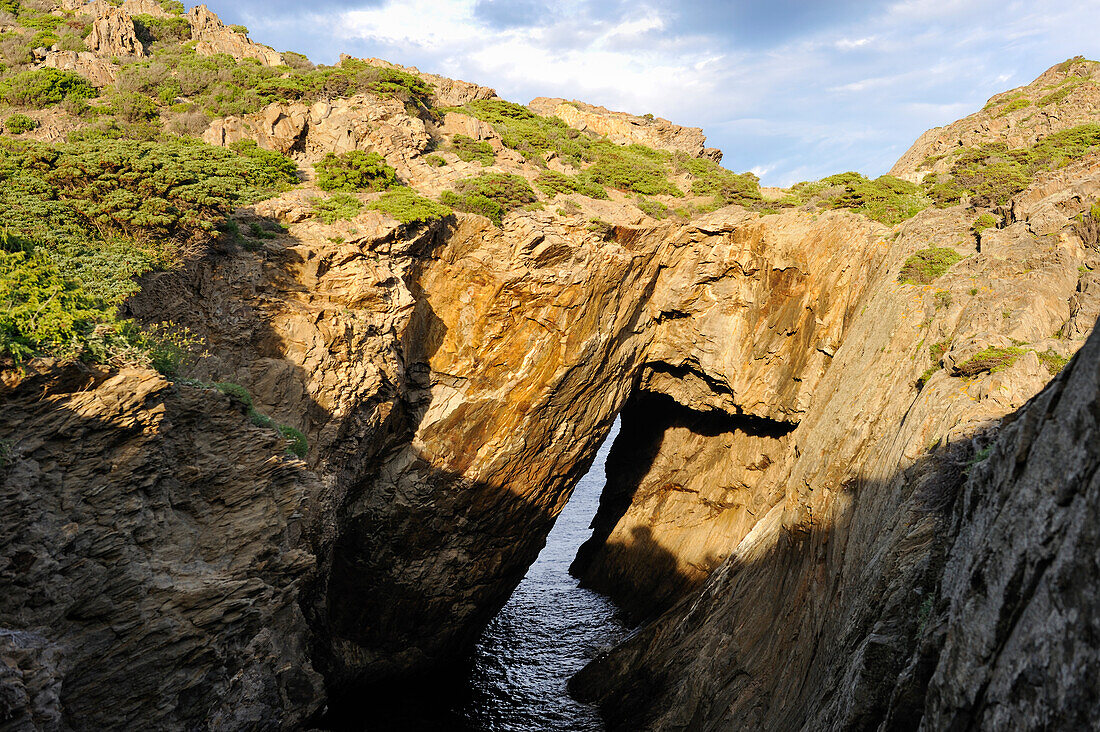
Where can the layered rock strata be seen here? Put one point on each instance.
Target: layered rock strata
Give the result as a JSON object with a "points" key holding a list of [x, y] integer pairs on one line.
{"points": [[790, 485]]}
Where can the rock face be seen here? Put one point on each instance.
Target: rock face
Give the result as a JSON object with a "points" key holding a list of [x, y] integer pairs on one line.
{"points": [[624, 128], [785, 499], [978, 583], [1064, 96], [93, 67], [211, 37], [309, 131], [141, 521], [113, 34]]}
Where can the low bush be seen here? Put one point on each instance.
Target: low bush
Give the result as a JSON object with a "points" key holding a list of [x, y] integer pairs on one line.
{"points": [[409, 208], [492, 195], [45, 314], [656, 209], [985, 221], [1053, 361], [355, 170], [469, 149], [711, 179], [927, 265], [17, 124], [1014, 106], [106, 211], [297, 445], [885, 199], [990, 359], [633, 168], [991, 174], [552, 183], [40, 88], [337, 207]]}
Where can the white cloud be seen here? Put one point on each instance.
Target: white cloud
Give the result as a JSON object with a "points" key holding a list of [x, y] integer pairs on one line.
{"points": [[848, 44], [625, 62], [849, 95]]}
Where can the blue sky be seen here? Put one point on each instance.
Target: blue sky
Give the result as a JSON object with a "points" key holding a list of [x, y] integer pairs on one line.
{"points": [[791, 89]]}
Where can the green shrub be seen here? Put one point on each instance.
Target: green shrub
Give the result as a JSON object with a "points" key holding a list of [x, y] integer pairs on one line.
{"points": [[991, 174], [656, 209], [990, 359], [40, 88], [436, 161], [239, 29], [633, 168], [132, 107], [938, 349], [711, 179], [1015, 105], [1063, 91], [354, 171], [17, 124], [107, 211], [297, 445], [984, 221], [924, 378], [469, 149], [409, 208], [43, 313], [927, 265], [531, 134], [552, 183], [885, 199], [337, 207], [492, 195], [1053, 361]]}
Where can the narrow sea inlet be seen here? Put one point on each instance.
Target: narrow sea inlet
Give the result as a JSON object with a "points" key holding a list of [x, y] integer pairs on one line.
{"points": [[516, 679], [548, 630]]}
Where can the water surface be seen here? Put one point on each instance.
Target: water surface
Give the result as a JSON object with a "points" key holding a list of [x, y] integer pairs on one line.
{"points": [[515, 681], [549, 629]]}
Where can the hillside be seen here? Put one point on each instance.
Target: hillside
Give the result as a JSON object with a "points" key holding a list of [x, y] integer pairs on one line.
{"points": [[299, 363]]}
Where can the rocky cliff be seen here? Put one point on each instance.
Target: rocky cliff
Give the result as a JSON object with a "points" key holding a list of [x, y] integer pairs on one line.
{"points": [[816, 502]]}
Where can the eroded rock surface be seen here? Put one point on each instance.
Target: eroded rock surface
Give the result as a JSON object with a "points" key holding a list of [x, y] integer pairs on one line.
{"points": [[211, 37], [154, 553], [624, 128], [795, 422]]}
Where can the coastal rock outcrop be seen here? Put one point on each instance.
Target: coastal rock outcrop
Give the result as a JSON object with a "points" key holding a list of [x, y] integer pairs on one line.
{"points": [[113, 34], [624, 128], [789, 513], [211, 37], [153, 553], [1064, 96]]}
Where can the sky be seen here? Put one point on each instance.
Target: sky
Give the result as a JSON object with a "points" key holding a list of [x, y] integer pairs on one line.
{"points": [[790, 89]]}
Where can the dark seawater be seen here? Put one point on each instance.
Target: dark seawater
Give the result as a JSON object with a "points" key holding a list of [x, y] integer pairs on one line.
{"points": [[515, 682], [549, 629]]}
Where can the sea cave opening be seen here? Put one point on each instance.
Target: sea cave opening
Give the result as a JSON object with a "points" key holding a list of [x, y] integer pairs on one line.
{"points": [[515, 677]]}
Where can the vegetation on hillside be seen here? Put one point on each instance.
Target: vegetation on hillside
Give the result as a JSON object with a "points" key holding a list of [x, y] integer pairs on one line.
{"points": [[990, 174], [405, 205], [355, 170], [82, 220], [927, 265], [492, 195], [469, 149], [886, 199]]}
